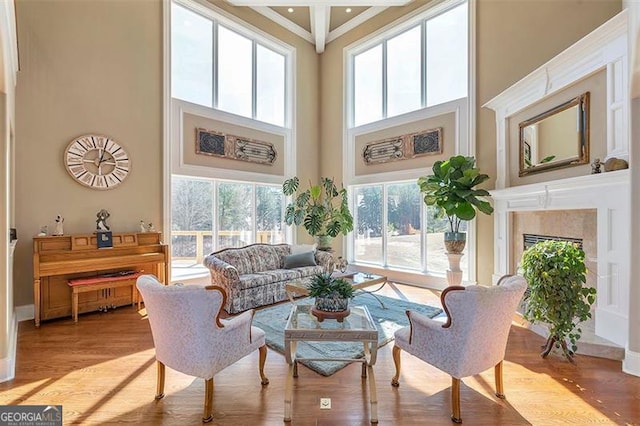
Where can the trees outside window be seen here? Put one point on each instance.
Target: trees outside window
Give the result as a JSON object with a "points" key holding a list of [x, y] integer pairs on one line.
{"points": [[395, 229], [246, 213]]}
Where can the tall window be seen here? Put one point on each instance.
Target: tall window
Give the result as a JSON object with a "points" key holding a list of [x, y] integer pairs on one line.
{"points": [[219, 67], [393, 228], [208, 215], [422, 66]]}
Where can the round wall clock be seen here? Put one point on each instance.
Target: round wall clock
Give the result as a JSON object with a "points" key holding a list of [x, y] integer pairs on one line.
{"points": [[97, 161]]}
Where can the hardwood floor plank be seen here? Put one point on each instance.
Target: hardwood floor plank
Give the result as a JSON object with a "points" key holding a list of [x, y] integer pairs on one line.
{"points": [[102, 370]]}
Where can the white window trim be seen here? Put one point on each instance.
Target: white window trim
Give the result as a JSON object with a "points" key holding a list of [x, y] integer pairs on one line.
{"points": [[173, 110], [465, 143]]}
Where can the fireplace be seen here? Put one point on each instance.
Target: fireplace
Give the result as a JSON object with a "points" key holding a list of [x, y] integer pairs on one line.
{"points": [[592, 207], [531, 239]]}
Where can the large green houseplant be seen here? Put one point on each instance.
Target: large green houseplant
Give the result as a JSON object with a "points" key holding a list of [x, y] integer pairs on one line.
{"points": [[556, 274], [452, 188], [322, 209]]}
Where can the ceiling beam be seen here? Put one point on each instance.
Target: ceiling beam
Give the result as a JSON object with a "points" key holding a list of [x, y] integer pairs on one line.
{"points": [[312, 3], [284, 22], [320, 16]]}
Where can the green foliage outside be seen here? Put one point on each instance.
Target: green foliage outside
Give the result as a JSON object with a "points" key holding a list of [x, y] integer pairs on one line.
{"points": [[556, 274]]}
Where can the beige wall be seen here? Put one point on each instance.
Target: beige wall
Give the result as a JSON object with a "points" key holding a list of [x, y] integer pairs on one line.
{"points": [[96, 66], [514, 38], [86, 67]]}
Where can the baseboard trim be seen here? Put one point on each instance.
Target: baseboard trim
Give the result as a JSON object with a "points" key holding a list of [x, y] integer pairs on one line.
{"points": [[8, 364], [25, 312], [631, 363]]}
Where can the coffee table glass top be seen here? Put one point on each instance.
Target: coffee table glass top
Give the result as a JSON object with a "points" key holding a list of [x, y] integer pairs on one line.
{"points": [[301, 318]]}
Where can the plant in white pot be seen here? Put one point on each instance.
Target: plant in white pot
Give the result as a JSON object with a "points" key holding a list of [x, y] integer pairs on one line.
{"points": [[452, 188]]}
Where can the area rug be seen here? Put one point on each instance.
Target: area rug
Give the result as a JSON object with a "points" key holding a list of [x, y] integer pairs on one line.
{"points": [[389, 319]]}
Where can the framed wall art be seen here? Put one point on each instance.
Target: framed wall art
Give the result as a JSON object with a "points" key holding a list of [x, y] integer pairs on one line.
{"points": [[411, 145], [211, 142]]}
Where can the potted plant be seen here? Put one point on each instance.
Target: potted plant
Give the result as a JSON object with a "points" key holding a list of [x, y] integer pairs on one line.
{"points": [[322, 209], [331, 296], [452, 188], [556, 273]]}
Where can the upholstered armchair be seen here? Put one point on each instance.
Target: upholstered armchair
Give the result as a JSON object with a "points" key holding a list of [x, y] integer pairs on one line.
{"points": [[190, 337], [471, 340]]}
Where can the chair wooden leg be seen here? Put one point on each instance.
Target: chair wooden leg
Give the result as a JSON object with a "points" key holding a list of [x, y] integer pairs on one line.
{"points": [[160, 380], [499, 385], [396, 361], [208, 401], [455, 400], [263, 359]]}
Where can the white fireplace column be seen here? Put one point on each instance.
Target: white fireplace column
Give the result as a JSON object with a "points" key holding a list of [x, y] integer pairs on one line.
{"points": [[614, 195]]}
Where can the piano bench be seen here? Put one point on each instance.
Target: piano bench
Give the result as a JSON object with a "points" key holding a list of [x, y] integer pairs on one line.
{"points": [[98, 282]]}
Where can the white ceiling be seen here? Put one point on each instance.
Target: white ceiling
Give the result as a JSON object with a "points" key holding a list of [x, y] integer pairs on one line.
{"points": [[321, 12]]}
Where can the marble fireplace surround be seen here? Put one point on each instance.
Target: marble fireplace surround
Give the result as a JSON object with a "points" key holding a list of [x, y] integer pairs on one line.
{"points": [[599, 198], [605, 195]]}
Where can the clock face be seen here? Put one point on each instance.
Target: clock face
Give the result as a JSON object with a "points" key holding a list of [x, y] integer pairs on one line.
{"points": [[97, 161]]}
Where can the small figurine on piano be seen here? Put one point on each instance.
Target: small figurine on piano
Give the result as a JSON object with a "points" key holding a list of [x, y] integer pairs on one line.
{"points": [[58, 229], [101, 222]]}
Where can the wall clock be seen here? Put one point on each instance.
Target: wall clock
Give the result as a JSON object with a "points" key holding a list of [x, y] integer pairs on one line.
{"points": [[97, 161]]}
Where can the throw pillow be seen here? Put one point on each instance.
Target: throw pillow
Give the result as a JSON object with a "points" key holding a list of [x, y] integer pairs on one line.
{"points": [[302, 248], [299, 260]]}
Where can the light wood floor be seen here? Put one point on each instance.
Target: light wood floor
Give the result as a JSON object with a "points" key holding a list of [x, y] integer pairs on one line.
{"points": [[102, 371]]}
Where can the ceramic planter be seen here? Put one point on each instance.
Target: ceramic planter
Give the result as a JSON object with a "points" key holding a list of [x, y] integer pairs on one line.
{"points": [[455, 241]]}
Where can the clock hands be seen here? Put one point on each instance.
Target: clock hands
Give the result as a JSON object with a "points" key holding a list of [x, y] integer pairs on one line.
{"points": [[101, 152]]}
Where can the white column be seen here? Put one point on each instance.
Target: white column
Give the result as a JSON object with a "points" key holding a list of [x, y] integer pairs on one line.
{"points": [[631, 363]]}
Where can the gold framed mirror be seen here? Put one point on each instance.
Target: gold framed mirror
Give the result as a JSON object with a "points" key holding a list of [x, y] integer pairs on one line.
{"points": [[556, 138]]}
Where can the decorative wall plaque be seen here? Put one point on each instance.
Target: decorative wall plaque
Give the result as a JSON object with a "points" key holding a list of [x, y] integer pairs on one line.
{"points": [[424, 142], [210, 142]]}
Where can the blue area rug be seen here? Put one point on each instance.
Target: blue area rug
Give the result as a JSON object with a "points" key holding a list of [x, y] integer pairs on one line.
{"points": [[273, 320]]}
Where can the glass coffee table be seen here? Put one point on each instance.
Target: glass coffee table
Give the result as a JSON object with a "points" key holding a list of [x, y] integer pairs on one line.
{"points": [[359, 280], [358, 326]]}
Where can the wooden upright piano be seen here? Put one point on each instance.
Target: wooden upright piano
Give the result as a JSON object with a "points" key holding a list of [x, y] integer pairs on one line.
{"points": [[57, 259]]}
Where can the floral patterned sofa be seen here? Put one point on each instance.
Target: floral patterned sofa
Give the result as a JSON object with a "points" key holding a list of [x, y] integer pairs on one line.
{"points": [[256, 275]]}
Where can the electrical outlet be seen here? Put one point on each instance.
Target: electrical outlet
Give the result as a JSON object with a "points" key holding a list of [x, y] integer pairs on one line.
{"points": [[325, 403]]}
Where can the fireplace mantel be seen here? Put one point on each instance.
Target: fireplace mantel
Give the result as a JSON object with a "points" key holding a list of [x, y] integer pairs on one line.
{"points": [[604, 49]]}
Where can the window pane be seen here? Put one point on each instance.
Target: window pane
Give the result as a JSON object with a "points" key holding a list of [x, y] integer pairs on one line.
{"points": [[447, 56], [404, 91], [367, 98], [191, 60], [403, 225], [368, 238], [269, 200], [234, 72], [270, 86], [191, 222], [234, 215]]}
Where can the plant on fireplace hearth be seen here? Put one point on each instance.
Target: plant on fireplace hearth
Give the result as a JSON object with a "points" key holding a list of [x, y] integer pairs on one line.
{"points": [[557, 296]]}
